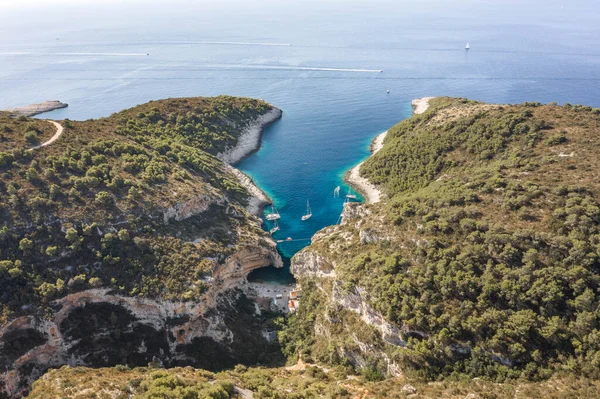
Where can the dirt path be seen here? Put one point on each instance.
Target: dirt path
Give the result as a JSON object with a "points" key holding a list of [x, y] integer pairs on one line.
{"points": [[59, 131]]}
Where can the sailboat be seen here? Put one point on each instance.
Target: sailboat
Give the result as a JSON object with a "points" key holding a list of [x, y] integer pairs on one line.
{"points": [[308, 212], [350, 195], [275, 228], [274, 215], [336, 192], [468, 46]]}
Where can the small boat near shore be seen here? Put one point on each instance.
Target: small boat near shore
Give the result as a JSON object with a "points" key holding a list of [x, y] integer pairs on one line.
{"points": [[468, 46], [336, 192], [350, 194], [274, 215], [308, 213], [275, 228]]}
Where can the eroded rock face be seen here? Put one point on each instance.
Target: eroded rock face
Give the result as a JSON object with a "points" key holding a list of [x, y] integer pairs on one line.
{"points": [[353, 301], [98, 328], [310, 264], [249, 140], [94, 328], [191, 207], [353, 211], [315, 267], [239, 265]]}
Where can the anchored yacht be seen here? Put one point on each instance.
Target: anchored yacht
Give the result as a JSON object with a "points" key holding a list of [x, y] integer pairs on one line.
{"points": [[308, 213], [274, 215]]}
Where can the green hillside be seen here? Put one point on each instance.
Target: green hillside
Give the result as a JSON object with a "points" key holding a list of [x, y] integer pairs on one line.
{"points": [[485, 257], [476, 277], [88, 210]]}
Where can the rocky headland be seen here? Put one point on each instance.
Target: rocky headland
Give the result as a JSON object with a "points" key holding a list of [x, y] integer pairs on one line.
{"points": [[146, 247], [36, 109]]}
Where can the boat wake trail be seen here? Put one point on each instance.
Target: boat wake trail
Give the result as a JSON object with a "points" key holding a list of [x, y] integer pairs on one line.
{"points": [[75, 54], [244, 44], [301, 68]]}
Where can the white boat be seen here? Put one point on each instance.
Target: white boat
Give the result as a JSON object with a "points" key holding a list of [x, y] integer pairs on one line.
{"points": [[308, 212], [274, 215], [468, 46], [275, 228], [350, 195], [336, 192], [388, 92]]}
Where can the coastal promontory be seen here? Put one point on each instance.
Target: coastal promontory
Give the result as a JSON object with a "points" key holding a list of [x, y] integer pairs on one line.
{"points": [[126, 239], [481, 258], [36, 109]]}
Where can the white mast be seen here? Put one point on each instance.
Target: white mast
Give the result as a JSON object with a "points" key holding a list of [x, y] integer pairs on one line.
{"points": [[274, 215], [275, 228], [308, 212], [350, 195]]}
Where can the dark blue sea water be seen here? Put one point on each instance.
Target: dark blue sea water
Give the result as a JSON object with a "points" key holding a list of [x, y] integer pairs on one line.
{"points": [[316, 60]]}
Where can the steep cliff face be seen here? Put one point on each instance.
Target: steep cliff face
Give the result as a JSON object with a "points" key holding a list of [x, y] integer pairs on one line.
{"points": [[191, 207], [99, 328], [249, 141], [344, 308]]}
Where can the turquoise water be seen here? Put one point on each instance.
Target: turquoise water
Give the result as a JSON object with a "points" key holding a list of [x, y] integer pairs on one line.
{"points": [[326, 82]]}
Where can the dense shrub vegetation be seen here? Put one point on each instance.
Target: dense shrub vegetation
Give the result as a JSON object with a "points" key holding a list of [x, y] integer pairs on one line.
{"points": [[307, 382], [88, 210], [486, 255], [211, 124], [21, 133]]}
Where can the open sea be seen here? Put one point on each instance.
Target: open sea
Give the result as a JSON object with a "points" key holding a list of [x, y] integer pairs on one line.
{"points": [[319, 61]]}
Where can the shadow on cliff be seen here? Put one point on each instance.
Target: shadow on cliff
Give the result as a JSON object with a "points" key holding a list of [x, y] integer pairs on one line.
{"points": [[102, 334]]}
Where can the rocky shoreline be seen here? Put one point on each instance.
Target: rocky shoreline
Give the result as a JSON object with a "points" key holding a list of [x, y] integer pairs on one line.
{"points": [[368, 190], [248, 143], [257, 199], [421, 105], [36, 109]]}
